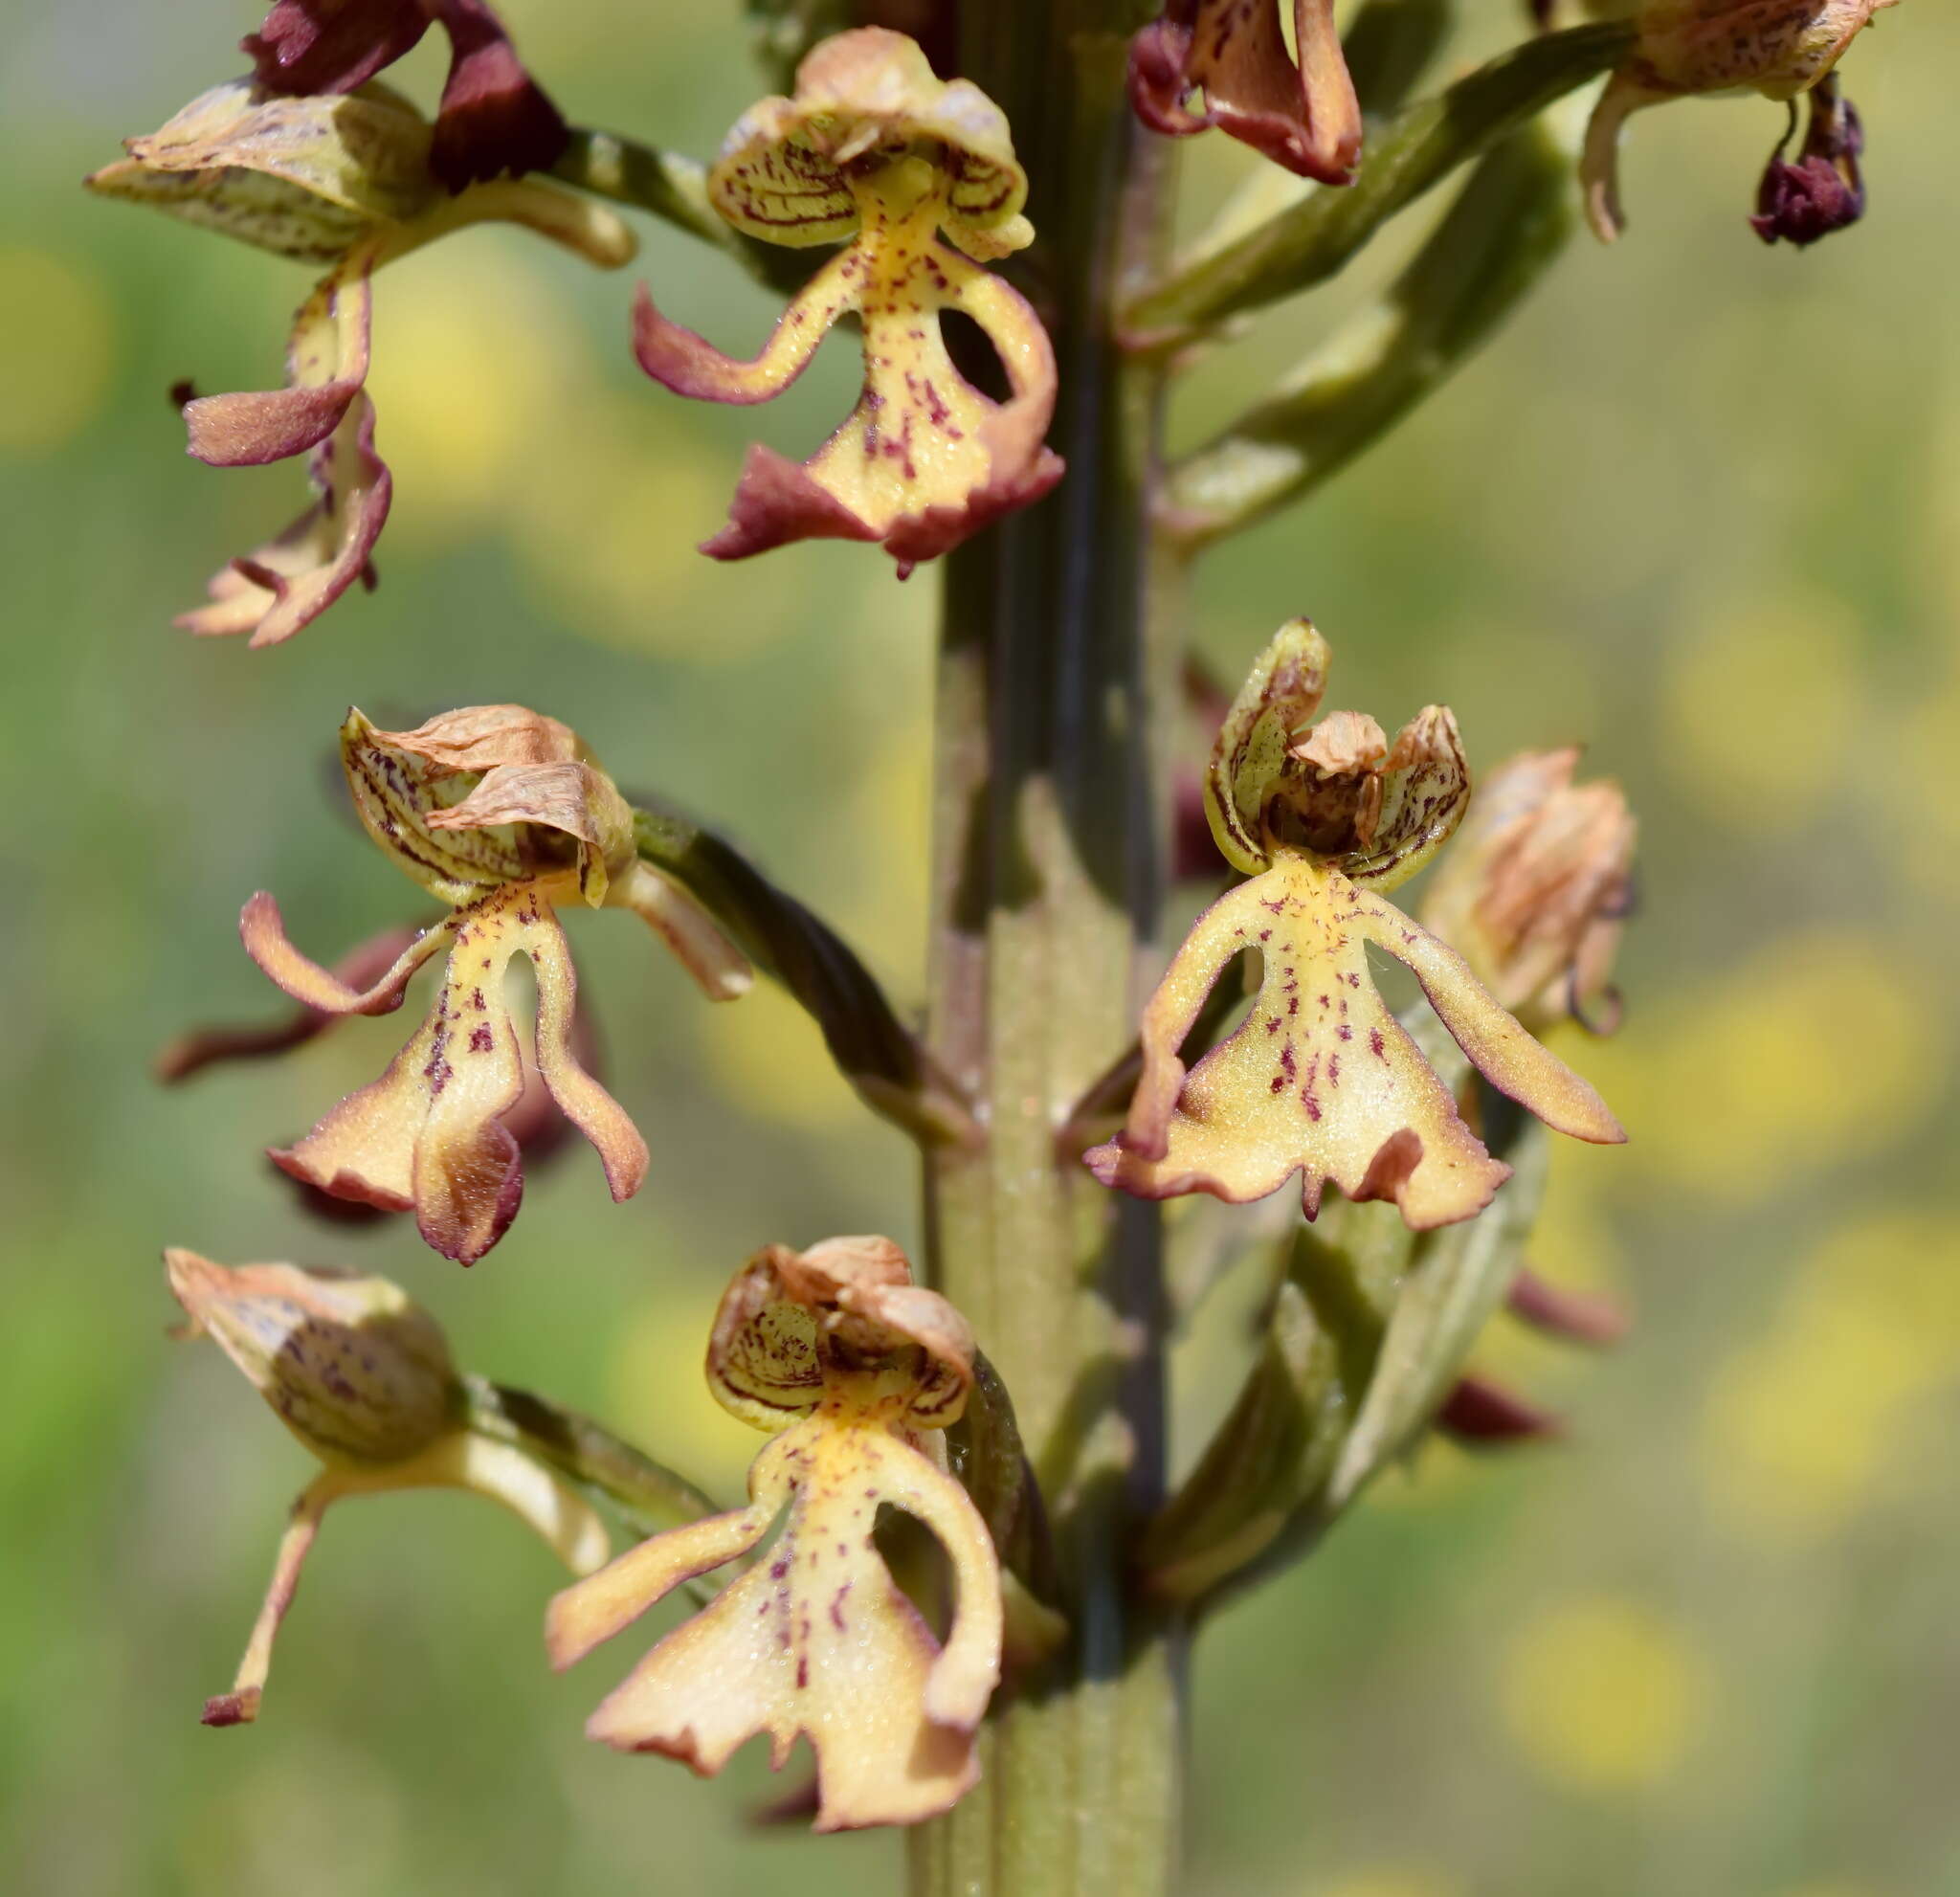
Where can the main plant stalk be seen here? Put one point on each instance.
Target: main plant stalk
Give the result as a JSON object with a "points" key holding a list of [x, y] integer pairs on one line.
{"points": [[1058, 676]]}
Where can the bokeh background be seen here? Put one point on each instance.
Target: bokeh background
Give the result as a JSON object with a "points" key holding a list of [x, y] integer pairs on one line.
{"points": [[1697, 507]]}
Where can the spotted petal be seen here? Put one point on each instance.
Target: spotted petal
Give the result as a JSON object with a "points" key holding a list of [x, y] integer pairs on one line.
{"points": [[1320, 1078], [1277, 701], [306, 177]]}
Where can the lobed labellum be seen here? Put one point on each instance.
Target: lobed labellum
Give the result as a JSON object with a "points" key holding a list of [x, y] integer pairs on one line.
{"points": [[430, 1134], [1304, 116], [836, 1354], [925, 459], [1320, 1078], [338, 180]]}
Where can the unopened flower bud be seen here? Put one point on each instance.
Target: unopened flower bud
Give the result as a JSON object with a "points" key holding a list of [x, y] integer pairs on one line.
{"points": [[354, 1369], [1536, 888], [361, 1376]]}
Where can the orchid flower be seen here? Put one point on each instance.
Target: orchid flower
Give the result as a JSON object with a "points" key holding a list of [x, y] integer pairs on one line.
{"points": [[1320, 1078], [343, 181], [1780, 47], [493, 117], [876, 150], [1301, 114], [849, 1366], [361, 1376], [503, 814]]}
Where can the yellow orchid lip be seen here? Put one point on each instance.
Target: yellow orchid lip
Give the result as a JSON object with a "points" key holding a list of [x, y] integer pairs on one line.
{"points": [[845, 1362], [876, 150]]}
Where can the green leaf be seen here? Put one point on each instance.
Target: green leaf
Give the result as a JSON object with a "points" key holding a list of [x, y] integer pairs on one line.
{"points": [[1496, 243]]}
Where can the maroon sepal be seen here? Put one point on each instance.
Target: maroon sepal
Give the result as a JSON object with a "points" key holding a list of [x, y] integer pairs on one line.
{"points": [[494, 118], [1580, 1316], [1486, 1415]]}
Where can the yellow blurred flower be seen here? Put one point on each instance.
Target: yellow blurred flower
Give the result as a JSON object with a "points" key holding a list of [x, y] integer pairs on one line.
{"points": [[55, 328], [1602, 1694], [1763, 705], [592, 528], [773, 1063], [472, 382], [1728, 1089], [1803, 1426], [1391, 1880], [655, 1396]]}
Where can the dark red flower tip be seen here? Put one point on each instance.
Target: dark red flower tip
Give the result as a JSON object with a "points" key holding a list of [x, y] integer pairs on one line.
{"points": [[494, 118], [1823, 190]]}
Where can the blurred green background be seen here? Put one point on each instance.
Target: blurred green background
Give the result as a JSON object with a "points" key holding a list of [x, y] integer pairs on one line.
{"points": [[1697, 507]]}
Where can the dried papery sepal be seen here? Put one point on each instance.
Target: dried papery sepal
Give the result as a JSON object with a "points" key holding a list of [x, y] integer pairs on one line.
{"points": [[848, 1364], [876, 153], [1300, 112], [1778, 48], [1320, 1078], [501, 812], [1537, 885], [338, 180], [361, 1376]]}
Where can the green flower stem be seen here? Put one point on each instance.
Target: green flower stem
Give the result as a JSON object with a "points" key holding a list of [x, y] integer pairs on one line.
{"points": [[871, 1046], [1058, 683], [1309, 241], [646, 1497], [1492, 248], [673, 189]]}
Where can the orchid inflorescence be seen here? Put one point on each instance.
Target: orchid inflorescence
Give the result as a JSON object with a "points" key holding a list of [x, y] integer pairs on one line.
{"points": [[872, 1388]]}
